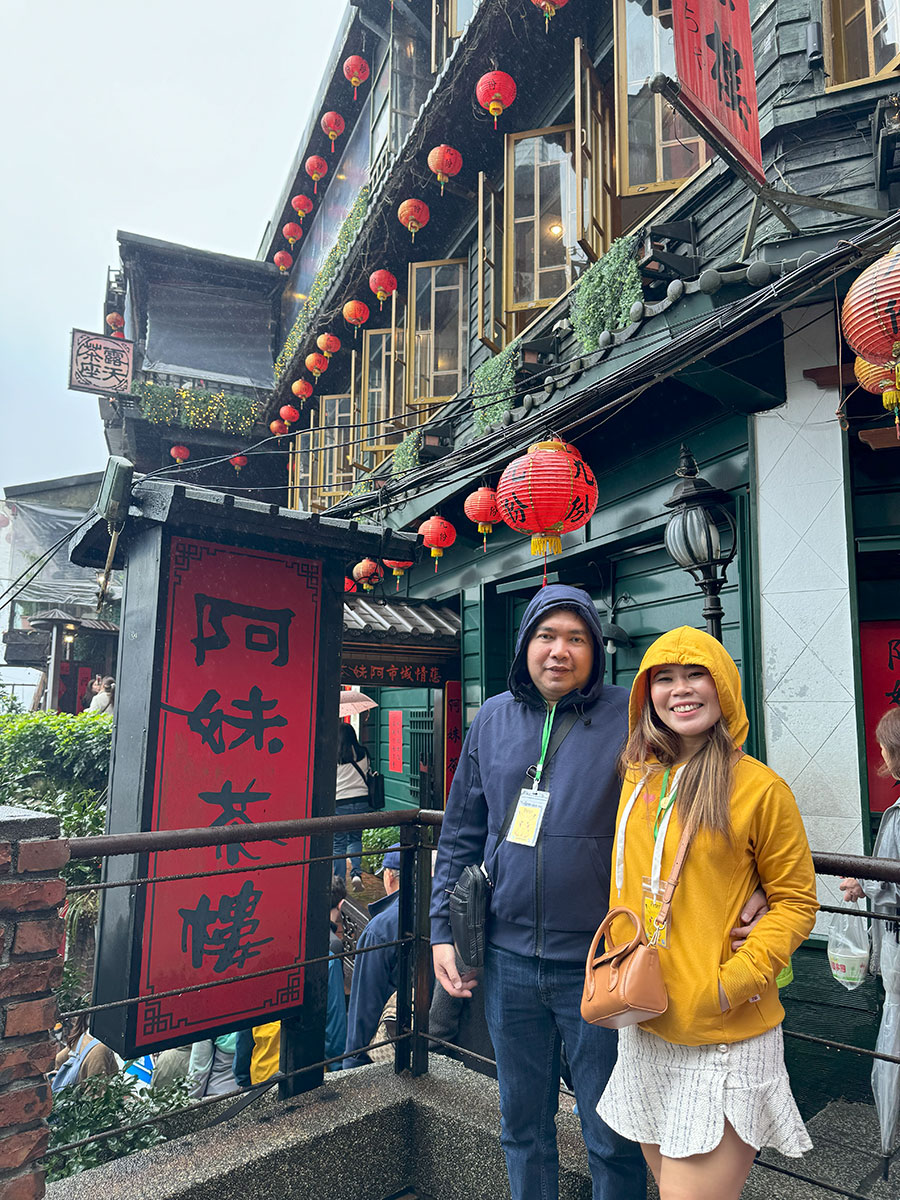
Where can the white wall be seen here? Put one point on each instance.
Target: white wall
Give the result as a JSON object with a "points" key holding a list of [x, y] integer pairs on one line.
{"points": [[807, 669]]}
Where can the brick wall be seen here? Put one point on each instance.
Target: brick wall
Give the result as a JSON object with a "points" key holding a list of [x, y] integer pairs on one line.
{"points": [[31, 892]]}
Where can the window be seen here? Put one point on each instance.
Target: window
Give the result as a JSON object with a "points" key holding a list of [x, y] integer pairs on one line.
{"points": [[448, 20], [491, 323], [381, 398], [865, 38], [436, 330], [334, 449], [381, 116], [399, 87], [301, 471]]}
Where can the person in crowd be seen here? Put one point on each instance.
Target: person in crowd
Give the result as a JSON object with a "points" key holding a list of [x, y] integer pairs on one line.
{"points": [[336, 1007], [82, 1056], [351, 796], [703, 1086], [171, 1066], [211, 1066], [91, 691], [885, 897], [105, 697], [375, 972]]}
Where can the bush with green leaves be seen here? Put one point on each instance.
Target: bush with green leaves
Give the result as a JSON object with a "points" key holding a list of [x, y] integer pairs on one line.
{"points": [[494, 388], [375, 842], [605, 294]]}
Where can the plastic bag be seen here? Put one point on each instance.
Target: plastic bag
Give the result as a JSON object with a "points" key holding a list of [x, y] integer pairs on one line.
{"points": [[848, 948]]}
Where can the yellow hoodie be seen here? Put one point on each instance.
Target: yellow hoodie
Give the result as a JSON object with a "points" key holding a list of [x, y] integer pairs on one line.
{"points": [[768, 847]]}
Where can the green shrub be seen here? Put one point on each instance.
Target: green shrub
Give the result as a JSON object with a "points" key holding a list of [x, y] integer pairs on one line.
{"points": [[494, 388], [605, 293], [375, 842]]}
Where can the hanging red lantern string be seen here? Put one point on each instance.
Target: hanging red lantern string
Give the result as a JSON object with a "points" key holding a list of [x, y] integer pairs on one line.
{"points": [[180, 453], [869, 312], [301, 205], [481, 508], [438, 534], [289, 414], [316, 363], [495, 92], [355, 313], [414, 215], [548, 8], [277, 427], [283, 261], [383, 284], [547, 492], [873, 378], [316, 169], [356, 69], [368, 573], [445, 162], [292, 231], [302, 389], [238, 461], [328, 343], [398, 568], [332, 126]]}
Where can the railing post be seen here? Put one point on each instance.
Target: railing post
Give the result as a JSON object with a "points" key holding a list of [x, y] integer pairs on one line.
{"points": [[422, 944], [31, 892], [406, 956]]}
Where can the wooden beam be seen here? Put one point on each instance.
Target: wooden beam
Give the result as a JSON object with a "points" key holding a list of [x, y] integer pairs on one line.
{"points": [[827, 377]]}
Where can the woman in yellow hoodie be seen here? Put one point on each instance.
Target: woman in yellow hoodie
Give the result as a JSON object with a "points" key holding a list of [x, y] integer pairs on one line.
{"points": [[703, 1086]]}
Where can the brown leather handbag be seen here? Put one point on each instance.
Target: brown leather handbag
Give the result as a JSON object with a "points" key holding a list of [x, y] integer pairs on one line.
{"points": [[625, 985]]}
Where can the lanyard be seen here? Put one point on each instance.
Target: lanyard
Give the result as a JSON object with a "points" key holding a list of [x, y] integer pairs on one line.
{"points": [[659, 833], [545, 742], [666, 800]]}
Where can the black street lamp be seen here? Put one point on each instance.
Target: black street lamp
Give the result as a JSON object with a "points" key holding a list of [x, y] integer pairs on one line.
{"points": [[693, 539]]}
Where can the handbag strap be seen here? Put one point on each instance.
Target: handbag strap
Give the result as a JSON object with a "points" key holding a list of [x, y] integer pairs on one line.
{"points": [[360, 772], [559, 734], [671, 884]]}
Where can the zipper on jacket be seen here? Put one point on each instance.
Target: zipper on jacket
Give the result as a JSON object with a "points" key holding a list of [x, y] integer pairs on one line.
{"points": [[538, 900]]}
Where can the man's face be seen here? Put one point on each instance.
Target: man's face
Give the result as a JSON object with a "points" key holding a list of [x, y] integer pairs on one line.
{"points": [[560, 654]]}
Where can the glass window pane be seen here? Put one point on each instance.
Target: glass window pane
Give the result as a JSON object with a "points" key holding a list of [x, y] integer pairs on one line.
{"points": [[552, 284], [446, 331], [523, 262], [447, 275], [856, 49], [551, 245], [524, 178]]}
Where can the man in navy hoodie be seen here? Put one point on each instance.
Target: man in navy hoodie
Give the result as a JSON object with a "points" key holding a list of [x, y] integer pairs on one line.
{"points": [[550, 875]]}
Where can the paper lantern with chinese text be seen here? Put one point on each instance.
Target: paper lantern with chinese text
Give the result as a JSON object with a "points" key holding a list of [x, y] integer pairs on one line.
{"points": [[302, 389], [238, 461], [481, 508], [316, 169], [328, 344], [180, 454], [283, 261], [316, 363], [332, 126], [115, 320], [355, 313], [548, 8], [547, 492], [495, 92], [398, 568], [445, 162], [873, 378], [368, 573], [289, 414], [383, 284], [438, 534], [301, 205], [414, 215], [292, 231], [277, 427], [870, 316], [356, 69]]}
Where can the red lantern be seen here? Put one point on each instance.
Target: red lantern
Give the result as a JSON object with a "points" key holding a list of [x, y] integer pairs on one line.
{"points": [[438, 534], [444, 161], [548, 8], [495, 92], [316, 169], [316, 364], [383, 284], [414, 215], [117, 333], [277, 427], [869, 314], [301, 205], [356, 69], [368, 573], [398, 568], [283, 261], [180, 454], [481, 507], [333, 126], [547, 492], [288, 414], [349, 585], [355, 313], [238, 461], [302, 389], [292, 231], [873, 378], [328, 344], [115, 320]]}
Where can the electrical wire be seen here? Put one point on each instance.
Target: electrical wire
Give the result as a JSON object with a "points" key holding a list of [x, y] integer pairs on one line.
{"points": [[40, 563]]}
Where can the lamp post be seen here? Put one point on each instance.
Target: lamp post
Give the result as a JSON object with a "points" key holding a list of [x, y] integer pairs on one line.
{"points": [[692, 536]]}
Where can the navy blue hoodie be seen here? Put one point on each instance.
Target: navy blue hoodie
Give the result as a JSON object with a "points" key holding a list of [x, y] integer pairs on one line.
{"points": [[547, 900]]}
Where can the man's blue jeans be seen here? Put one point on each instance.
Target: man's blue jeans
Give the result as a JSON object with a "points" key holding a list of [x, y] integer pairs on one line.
{"points": [[532, 1004], [348, 844]]}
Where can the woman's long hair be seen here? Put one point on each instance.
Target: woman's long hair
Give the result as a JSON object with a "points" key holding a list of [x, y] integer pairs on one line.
{"points": [[888, 733], [349, 746], [704, 789]]}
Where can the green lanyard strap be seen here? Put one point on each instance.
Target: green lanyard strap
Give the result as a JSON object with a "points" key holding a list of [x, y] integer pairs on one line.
{"points": [[666, 800], [545, 742]]}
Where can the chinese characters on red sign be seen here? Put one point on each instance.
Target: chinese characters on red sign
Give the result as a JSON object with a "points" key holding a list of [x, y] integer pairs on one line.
{"points": [[879, 644], [395, 740], [714, 61], [235, 747], [453, 734], [391, 674], [100, 364]]}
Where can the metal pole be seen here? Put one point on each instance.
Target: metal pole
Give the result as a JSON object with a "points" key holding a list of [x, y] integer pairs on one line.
{"points": [[713, 611], [406, 961], [422, 947], [53, 672]]}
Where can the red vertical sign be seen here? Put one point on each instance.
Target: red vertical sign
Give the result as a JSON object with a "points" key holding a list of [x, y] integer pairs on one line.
{"points": [[879, 645], [714, 61], [235, 747], [395, 740], [453, 734]]}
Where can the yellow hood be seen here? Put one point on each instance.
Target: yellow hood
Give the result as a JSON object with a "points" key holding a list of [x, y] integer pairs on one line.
{"points": [[687, 646]]}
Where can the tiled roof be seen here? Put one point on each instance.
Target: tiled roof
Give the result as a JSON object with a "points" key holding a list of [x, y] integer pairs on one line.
{"points": [[399, 621]]}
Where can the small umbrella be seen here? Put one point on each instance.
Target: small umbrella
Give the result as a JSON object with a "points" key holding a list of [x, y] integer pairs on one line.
{"points": [[355, 702], [885, 1075]]}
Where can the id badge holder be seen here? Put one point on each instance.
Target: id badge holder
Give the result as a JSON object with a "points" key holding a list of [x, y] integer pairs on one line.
{"points": [[652, 903], [526, 822]]}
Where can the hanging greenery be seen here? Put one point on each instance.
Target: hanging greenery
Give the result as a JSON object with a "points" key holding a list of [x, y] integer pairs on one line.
{"points": [[323, 281], [603, 297], [196, 408], [494, 387], [406, 456]]}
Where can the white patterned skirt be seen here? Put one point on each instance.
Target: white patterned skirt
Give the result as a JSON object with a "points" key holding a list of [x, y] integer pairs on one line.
{"points": [[678, 1097]]}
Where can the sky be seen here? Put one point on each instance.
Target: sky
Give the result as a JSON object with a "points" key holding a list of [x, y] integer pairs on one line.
{"points": [[177, 119]]}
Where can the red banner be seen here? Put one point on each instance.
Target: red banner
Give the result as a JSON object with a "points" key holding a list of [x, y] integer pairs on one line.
{"points": [[879, 645], [395, 740], [714, 61], [235, 747], [453, 734]]}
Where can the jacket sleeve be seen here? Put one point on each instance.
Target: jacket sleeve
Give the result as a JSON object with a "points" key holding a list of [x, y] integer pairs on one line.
{"points": [[786, 873], [463, 833], [374, 979], [887, 845], [336, 1013]]}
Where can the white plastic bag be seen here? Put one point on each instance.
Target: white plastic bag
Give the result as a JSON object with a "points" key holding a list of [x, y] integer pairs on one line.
{"points": [[848, 948]]}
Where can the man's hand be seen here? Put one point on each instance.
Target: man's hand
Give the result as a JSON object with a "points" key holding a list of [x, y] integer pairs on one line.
{"points": [[850, 889], [755, 908], [447, 975]]}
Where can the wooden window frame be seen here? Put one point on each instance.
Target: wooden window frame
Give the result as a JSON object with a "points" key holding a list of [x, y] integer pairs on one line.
{"points": [[412, 400], [834, 50], [594, 157], [490, 211], [331, 486], [373, 439]]}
